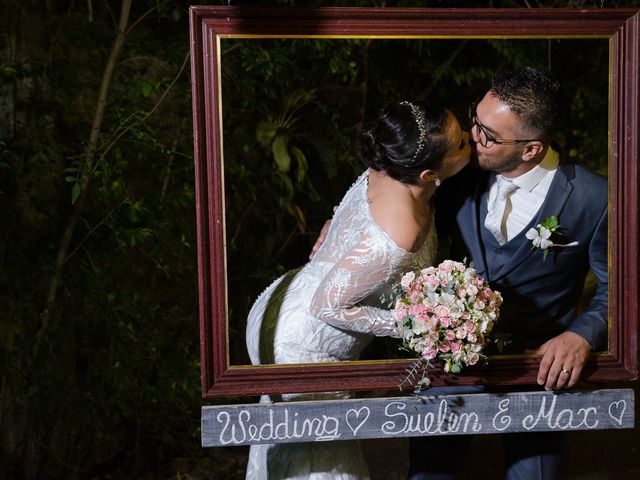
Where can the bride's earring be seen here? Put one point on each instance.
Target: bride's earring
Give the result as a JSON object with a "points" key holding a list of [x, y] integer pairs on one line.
{"points": [[437, 182]]}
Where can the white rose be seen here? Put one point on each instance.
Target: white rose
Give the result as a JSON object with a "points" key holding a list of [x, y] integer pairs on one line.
{"points": [[407, 278]]}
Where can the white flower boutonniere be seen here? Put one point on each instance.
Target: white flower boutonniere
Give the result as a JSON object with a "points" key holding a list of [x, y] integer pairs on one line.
{"points": [[540, 236]]}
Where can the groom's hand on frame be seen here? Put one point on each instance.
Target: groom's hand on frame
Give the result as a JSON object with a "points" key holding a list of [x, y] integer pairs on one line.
{"points": [[563, 358]]}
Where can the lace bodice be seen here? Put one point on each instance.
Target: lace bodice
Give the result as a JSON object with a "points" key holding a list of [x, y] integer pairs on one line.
{"points": [[326, 310], [358, 261]]}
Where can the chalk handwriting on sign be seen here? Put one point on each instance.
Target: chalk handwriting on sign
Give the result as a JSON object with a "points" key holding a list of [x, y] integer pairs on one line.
{"points": [[288, 427], [411, 416], [403, 421]]}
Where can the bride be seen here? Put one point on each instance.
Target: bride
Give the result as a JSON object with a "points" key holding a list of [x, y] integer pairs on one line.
{"points": [[328, 310]]}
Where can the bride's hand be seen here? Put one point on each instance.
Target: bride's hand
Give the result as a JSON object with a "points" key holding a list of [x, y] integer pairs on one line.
{"points": [[321, 237], [320, 240]]}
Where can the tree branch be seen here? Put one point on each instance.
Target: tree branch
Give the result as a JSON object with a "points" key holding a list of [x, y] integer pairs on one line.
{"points": [[90, 155], [144, 15], [125, 129]]}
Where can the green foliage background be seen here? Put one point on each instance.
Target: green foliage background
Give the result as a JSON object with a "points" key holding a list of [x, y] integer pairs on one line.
{"points": [[100, 379], [293, 110]]}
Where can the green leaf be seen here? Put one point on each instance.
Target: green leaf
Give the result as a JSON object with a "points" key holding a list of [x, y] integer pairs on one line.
{"points": [[265, 132], [551, 223], [75, 193], [334, 64], [70, 179], [288, 186], [147, 88], [280, 152], [424, 382], [301, 162]]}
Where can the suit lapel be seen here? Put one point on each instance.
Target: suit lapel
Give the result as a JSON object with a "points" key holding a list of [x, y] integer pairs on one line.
{"points": [[557, 196]]}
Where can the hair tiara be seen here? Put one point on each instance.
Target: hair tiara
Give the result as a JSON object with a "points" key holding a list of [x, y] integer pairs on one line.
{"points": [[422, 129]]}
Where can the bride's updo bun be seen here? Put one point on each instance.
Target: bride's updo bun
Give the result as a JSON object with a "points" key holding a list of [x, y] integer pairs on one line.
{"points": [[406, 139]]}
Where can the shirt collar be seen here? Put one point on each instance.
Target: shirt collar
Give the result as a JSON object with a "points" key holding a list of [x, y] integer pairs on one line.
{"points": [[528, 181]]}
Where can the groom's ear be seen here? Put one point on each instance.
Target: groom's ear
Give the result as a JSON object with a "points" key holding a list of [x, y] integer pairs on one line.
{"points": [[533, 150]]}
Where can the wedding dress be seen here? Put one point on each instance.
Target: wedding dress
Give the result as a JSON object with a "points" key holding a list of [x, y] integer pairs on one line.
{"points": [[327, 311]]}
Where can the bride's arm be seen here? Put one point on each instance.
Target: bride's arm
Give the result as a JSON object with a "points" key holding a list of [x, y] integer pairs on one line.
{"points": [[362, 271]]}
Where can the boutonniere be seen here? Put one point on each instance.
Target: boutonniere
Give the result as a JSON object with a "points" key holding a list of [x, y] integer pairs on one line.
{"points": [[540, 236]]}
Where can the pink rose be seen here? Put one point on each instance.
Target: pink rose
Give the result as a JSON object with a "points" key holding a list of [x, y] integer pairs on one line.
{"points": [[431, 337], [432, 282], [446, 266], [485, 294], [445, 347], [472, 358], [450, 335], [414, 295], [419, 310], [455, 347], [429, 353], [428, 271], [470, 326]]}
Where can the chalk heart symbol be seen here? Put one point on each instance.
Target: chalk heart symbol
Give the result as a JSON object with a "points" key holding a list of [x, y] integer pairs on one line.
{"points": [[616, 410], [356, 418]]}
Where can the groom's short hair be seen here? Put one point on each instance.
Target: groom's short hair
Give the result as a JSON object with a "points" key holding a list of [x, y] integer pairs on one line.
{"points": [[533, 96]]}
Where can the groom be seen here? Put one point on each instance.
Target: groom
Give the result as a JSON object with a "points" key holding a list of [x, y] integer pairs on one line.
{"points": [[493, 218]]}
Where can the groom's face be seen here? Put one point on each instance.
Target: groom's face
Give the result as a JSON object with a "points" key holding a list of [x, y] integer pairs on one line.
{"points": [[499, 121]]}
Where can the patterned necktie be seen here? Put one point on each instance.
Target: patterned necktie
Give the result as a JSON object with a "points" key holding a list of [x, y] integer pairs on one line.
{"points": [[495, 221]]}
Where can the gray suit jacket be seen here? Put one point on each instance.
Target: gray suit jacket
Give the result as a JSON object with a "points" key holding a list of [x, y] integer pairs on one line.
{"points": [[540, 296]]}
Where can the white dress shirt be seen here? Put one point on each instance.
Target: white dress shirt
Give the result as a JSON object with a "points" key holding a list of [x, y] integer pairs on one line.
{"points": [[524, 203]]}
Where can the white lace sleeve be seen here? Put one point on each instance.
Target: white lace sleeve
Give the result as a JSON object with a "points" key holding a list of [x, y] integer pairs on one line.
{"points": [[360, 272]]}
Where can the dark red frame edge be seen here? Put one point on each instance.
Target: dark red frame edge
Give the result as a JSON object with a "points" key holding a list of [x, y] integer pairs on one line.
{"points": [[217, 376]]}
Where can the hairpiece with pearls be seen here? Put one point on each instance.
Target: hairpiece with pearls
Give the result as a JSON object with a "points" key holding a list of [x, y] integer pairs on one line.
{"points": [[422, 129]]}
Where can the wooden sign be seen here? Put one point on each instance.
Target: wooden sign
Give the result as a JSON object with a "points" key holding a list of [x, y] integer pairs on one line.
{"points": [[288, 422]]}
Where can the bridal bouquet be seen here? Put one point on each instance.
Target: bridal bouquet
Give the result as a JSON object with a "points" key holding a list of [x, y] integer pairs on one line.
{"points": [[446, 313]]}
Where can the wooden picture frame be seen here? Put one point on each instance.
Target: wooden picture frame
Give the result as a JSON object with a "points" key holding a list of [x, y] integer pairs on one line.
{"points": [[211, 23]]}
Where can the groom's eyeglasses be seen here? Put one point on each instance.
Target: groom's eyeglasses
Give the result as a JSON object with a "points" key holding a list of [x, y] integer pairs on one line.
{"points": [[484, 137]]}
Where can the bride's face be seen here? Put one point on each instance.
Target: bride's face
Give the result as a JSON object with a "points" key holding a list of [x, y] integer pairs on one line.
{"points": [[459, 152]]}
